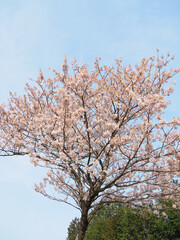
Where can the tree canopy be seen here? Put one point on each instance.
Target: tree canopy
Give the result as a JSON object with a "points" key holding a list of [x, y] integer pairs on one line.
{"points": [[100, 133]]}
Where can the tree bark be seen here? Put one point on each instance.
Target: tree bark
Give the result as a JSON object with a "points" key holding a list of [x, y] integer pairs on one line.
{"points": [[83, 224]]}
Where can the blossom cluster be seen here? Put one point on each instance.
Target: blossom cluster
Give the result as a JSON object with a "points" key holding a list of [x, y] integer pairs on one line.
{"points": [[100, 133]]}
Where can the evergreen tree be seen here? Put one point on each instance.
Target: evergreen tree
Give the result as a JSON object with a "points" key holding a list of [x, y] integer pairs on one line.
{"points": [[118, 222]]}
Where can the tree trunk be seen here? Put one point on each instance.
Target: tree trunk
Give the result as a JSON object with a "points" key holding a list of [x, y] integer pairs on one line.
{"points": [[83, 225]]}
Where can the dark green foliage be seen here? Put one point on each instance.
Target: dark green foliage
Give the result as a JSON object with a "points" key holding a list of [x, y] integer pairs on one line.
{"points": [[117, 222], [73, 229], [124, 224]]}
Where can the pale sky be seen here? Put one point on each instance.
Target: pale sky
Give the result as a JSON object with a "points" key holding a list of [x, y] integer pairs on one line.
{"points": [[37, 34]]}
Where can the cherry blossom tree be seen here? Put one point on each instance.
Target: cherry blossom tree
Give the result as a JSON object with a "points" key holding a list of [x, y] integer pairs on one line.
{"points": [[100, 134]]}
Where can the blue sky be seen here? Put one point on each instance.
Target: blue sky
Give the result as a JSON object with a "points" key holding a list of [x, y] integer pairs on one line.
{"points": [[37, 34]]}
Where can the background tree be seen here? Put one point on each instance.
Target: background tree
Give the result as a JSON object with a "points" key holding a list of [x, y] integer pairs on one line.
{"points": [[73, 229], [120, 222], [100, 134]]}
